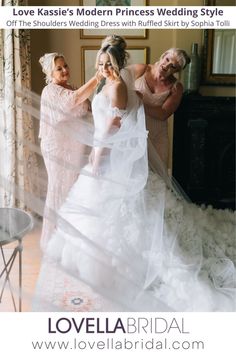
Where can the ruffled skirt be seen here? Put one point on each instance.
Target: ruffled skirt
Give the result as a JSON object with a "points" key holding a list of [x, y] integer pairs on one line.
{"points": [[154, 251]]}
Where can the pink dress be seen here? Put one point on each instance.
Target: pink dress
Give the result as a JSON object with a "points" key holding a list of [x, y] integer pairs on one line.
{"points": [[61, 151], [158, 129]]}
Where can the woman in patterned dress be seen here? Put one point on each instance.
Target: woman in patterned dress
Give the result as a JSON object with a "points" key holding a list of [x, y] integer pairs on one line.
{"points": [[60, 110]]}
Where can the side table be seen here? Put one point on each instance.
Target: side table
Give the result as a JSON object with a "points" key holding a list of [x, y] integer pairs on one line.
{"points": [[14, 225]]}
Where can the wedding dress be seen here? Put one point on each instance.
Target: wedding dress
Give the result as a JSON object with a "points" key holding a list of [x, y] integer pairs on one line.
{"points": [[134, 241]]}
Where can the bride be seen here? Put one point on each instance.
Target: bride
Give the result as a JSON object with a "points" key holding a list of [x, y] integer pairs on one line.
{"points": [[136, 242]]}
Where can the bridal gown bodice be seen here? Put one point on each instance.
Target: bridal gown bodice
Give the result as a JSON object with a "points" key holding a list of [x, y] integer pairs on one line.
{"points": [[144, 242], [100, 105]]}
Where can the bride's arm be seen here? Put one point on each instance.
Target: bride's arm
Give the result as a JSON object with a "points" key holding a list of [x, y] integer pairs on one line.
{"points": [[118, 98]]}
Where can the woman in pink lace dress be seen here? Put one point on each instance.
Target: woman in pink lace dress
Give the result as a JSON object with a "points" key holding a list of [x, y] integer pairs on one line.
{"points": [[61, 106], [162, 94]]}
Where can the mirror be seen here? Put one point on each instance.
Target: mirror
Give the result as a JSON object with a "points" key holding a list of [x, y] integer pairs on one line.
{"points": [[219, 60]]}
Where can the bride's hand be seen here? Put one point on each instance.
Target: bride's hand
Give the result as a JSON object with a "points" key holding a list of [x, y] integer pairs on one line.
{"points": [[91, 157], [95, 162], [116, 122], [114, 125], [98, 76], [96, 169]]}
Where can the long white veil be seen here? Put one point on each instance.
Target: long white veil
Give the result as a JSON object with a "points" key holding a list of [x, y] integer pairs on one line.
{"points": [[129, 239]]}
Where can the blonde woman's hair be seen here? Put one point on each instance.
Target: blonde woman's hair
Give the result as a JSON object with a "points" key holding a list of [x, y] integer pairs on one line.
{"points": [[47, 61], [182, 57], [115, 47]]}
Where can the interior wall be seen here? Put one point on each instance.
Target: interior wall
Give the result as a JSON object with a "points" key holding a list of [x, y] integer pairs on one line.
{"points": [[68, 42]]}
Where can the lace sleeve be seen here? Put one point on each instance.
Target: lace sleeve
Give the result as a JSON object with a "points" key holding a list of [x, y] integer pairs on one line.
{"points": [[67, 101], [59, 104]]}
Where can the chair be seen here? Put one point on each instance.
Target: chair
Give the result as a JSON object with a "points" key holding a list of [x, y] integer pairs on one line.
{"points": [[14, 225]]}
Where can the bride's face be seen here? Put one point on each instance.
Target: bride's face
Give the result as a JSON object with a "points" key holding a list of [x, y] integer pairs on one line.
{"points": [[105, 66]]}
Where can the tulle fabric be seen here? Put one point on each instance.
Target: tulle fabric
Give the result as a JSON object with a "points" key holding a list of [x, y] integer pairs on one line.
{"points": [[127, 236]]}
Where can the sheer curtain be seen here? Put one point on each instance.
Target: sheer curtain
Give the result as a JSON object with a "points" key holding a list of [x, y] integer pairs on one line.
{"points": [[18, 161]]}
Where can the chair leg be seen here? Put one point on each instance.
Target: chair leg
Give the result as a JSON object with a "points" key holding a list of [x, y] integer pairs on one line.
{"points": [[20, 249], [7, 269]]}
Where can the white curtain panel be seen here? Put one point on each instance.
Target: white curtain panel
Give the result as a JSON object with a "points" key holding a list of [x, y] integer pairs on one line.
{"points": [[18, 163]]}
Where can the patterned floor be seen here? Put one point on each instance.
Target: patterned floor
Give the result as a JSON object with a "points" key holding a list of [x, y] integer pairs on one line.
{"points": [[59, 291]]}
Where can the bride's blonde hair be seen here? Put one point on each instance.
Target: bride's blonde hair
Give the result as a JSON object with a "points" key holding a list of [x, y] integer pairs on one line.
{"points": [[115, 47]]}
